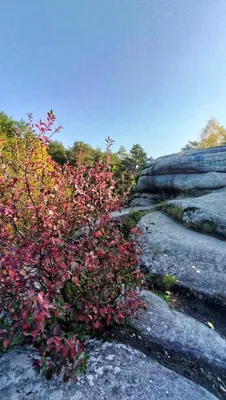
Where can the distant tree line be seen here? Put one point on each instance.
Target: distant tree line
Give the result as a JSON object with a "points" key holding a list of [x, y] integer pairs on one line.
{"points": [[126, 165]]}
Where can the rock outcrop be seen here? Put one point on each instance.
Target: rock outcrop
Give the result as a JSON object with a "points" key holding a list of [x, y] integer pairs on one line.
{"points": [[186, 171], [194, 185]]}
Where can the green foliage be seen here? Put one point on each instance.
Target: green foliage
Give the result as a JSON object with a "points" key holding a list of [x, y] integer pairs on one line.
{"points": [[173, 211], [8, 126], [205, 227], [165, 296], [213, 134], [57, 151], [191, 145], [161, 285], [169, 281], [178, 213], [129, 167], [84, 152], [130, 221], [134, 161], [126, 166]]}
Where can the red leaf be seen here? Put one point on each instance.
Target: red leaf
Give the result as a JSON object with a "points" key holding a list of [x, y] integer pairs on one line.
{"points": [[73, 352], [97, 325], [5, 343], [98, 234], [75, 279]]}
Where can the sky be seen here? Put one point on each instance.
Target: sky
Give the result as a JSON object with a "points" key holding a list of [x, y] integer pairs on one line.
{"points": [[140, 71]]}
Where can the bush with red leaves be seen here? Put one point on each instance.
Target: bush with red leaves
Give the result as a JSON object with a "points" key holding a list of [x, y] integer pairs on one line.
{"points": [[56, 286]]}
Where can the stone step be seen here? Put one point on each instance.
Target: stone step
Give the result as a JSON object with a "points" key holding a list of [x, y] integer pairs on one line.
{"points": [[178, 332], [115, 372], [198, 261], [205, 213]]}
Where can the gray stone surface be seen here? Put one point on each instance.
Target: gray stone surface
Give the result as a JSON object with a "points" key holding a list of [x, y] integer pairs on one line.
{"points": [[176, 331], [115, 372], [186, 171], [128, 210], [196, 161], [181, 182], [142, 199], [198, 261], [208, 211]]}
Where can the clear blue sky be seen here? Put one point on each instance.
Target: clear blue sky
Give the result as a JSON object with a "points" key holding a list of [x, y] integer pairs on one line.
{"points": [[141, 71]]}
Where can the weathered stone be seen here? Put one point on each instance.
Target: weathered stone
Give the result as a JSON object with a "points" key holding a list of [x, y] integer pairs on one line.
{"points": [[128, 210], [206, 213], [142, 199], [198, 261], [186, 171], [181, 182], [176, 331], [198, 161], [115, 372]]}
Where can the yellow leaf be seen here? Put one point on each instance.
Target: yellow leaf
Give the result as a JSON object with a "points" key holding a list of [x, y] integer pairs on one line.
{"points": [[210, 325]]}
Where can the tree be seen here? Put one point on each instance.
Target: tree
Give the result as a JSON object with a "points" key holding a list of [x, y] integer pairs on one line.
{"points": [[83, 150], [191, 145], [138, 158], [224, 140], [135, 160], [121, 153], [57, 152], [8, 126], [213, 134], [129, 167], [16, 140]]}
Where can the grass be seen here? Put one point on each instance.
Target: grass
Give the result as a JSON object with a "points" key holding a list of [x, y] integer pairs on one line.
{"points": [[177, 213], [161, 285], [165, 296]]}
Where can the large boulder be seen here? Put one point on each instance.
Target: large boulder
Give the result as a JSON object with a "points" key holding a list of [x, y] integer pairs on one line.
{"points": [[185, 171], [190, 162], [180, 182]]}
